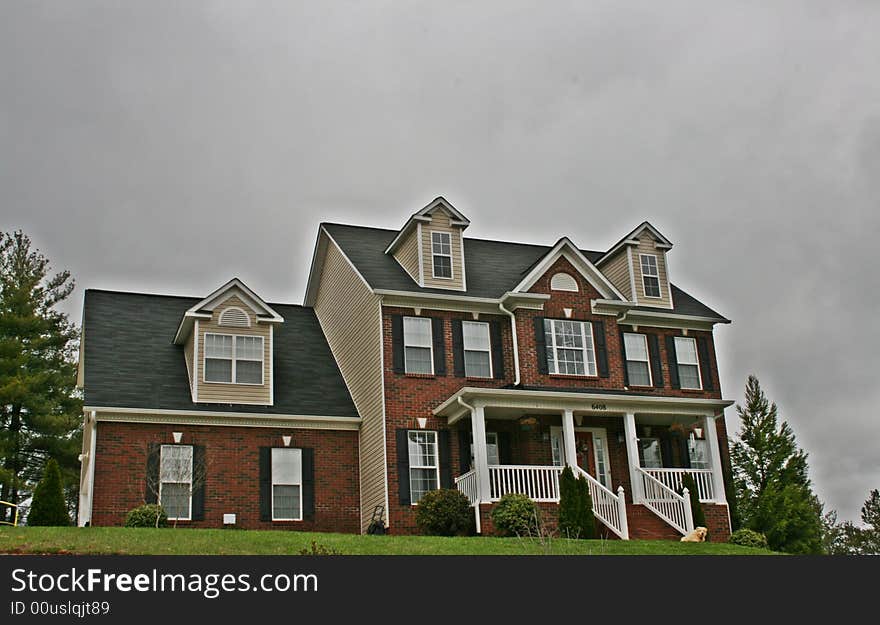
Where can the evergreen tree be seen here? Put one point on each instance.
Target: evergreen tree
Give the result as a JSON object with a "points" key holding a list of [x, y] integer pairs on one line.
{"points": [[773, 490], [871, 518], [48, 506], [568, 504], [586, 518], [687, 481], [39, 409]]}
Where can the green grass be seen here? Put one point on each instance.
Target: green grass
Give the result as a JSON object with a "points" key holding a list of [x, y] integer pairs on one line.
{"points": [[120, 540]]}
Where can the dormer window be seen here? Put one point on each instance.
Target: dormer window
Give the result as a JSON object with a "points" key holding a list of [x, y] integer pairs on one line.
{"points": [[233, 359], [650, 275], [441, 254]]}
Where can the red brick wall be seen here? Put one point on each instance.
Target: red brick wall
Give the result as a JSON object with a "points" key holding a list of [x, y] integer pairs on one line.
{"points": [[232, 475]]}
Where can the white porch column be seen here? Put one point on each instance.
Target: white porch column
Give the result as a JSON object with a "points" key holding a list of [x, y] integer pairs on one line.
{"points": [[481, 456], [568, 438], [632, 455], [715, 458]]}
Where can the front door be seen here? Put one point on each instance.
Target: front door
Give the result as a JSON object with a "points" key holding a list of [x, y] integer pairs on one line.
{"points": [[583, 444], [591, 449]]}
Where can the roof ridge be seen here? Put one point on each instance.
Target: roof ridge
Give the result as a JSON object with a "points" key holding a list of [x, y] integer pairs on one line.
{"points": [[188, 297]]}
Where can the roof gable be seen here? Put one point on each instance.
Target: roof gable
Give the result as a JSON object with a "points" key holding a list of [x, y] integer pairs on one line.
{"points": [[633, 239], [424, 215]]}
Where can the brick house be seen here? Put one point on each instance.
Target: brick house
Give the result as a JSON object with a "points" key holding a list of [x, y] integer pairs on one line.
{"points": [[420, 359]]}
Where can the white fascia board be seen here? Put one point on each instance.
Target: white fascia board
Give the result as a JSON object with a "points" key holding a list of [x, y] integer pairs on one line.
{"points": [[105, 410], [186, 324], [250, 298]]}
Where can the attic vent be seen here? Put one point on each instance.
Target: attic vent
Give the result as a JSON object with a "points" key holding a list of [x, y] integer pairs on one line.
{"points": [[563, 282], [234, 316]]}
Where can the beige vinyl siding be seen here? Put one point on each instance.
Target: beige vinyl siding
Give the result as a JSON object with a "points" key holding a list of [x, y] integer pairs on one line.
{"points": [[646, 246], [222, 393], [407, 254], [617, 271], [440, 223], [188, 355], [351, 318]]}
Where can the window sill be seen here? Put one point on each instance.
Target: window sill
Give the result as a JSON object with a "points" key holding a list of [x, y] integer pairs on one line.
{"points": [[695, 391], [426, 376], [234, 383], [572, 376], [479, 378], [287, 520]]}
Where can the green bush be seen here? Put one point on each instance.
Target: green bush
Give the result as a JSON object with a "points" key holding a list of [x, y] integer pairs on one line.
{"points": [[576, 518], [48, 506], [748, 538], [687, 481], [515, 515], [148, 515], [445, 512]]}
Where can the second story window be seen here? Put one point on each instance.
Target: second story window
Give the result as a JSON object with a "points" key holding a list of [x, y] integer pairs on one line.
{"points": [[688, 363], [477, 349], [441, 254], [638, 369], [570, 349], [650, 275], [417, 345], [233, 359]]}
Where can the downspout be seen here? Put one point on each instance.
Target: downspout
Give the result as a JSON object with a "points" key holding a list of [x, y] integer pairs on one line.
{"points": [[470, 409], [515, 343]]}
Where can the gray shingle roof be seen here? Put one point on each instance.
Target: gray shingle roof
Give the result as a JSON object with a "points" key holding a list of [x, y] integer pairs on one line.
{"points": [[131, 362], [493, 267]]}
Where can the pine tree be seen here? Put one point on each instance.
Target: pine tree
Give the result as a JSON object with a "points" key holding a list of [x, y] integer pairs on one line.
{"points": [[773, 490], [568, 504], [48, 506], [39, 410], [687, 481], [871, 518], [586, 518]]}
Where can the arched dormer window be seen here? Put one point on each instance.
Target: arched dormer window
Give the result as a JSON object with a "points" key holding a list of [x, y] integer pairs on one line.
{"points": [[563, 282], [235, 317]]}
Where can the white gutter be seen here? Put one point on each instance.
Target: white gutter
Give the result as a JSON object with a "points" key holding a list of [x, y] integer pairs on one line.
{"points": [[515, 342], [476, 506]]}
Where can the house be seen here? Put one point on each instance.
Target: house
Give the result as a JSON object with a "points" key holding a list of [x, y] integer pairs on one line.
{"points": [[420, 359]]}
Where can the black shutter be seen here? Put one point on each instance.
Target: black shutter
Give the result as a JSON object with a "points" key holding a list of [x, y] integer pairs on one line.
{"points": [[541, 345], [200, 475], [457, 349], [403, 467], [666, 449], [601, 348], [623, 357], [151, 480], [265, 483], [505, 453], [437, 329], [397, 343], [445, 452], [308, 483], [656, 365], [497, 350], [684, 452], [464, 450], [673, 362], [705, 363]]}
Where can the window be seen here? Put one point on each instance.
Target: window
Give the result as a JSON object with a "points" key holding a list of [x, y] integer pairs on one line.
{"points": [[417, 345], [491, 449], [569, 347], [286, 484], [424, 471], [649, 453], [175, 481], [563, 282], [238, 358], [441, 254], [477, 353], [697, 453], [688, 365], [650, 275], [638, 366], [234, 316]]}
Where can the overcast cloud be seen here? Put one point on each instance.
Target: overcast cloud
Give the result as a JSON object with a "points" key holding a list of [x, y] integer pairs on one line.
{"points": [[167, 146]]}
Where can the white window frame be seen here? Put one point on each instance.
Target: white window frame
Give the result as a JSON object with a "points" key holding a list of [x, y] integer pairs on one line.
{"points": [[655, 275], [696, 363], [430, 344], [488, 351], [491, 440], [435, 467], [162, 482], [589, 371], [647, 360], [274, 484], [235, 358], [448, 236], [692, 445]]}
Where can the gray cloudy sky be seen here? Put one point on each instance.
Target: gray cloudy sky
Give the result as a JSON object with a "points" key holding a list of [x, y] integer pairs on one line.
{"points": [[166, 146]]}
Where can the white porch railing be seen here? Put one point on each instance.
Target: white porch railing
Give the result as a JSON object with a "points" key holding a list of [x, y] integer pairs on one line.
{"points": [[536, 482], [671, 478], [467, 484], [673, 508], [609, 508]]}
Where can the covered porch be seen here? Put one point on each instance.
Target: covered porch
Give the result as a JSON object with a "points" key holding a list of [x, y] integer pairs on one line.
{"points": [[519, 440]]}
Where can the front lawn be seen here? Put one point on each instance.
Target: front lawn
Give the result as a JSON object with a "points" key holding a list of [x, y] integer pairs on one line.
{"points": [[129, 541]]}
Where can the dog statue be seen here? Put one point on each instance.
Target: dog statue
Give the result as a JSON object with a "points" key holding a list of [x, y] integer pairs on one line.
{"points": [[696, 535]]}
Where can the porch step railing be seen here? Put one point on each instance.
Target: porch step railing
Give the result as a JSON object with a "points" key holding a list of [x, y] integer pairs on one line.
{"points": [[609, 508], [467, 484], [667, 504], [536, 482], [671, 478]]}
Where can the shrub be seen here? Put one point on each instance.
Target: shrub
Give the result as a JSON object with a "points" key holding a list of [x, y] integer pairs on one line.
{"points": [[48, 506], [515, 515], [445, 512], [748, 538], [586, 518], [576, 518], [148, 515], [319, 549], [687, 481]]}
